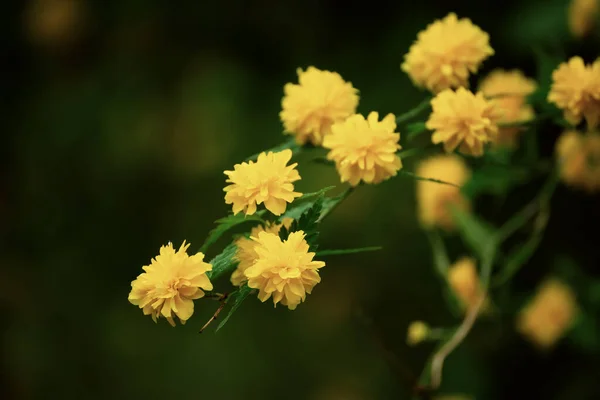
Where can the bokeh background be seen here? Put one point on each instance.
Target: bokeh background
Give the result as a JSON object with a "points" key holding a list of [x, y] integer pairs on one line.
{"points": [[119, 118]]}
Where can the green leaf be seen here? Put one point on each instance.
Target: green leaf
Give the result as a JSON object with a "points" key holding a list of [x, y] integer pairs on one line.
{"points": [[585, 333], [476, 233], [237, 297], [288, 144], [330, 203], [223, 263], [308, 222], [442, 264], [225, 224], [324, 253], [415, 129], [494, 179], [421, 178]]}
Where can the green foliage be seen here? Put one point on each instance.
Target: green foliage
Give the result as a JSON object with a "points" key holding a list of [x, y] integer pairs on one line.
{"points": [[223, 263], [476, 233], [225, 224], [237, 297], [494, 179], [421, 178], [340, 252], [415, 129], [585, 333], [308, 222]]}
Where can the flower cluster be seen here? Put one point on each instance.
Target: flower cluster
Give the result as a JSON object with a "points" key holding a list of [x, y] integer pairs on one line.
{"points": [[284, 270], [320, 99], [364, 149], [434, 200], [170, 284], [446, 53], [549, 314], [576, 90], [463, 120], [269, 180], [508, 91], [579, 159]]}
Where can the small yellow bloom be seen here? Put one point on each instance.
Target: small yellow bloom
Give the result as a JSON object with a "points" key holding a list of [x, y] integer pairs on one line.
{"points": [[268, 180], [549, 315], [417, 332], [321, 99], [364, 149], [576, 90], [507, 90], [464, 281], [246, 255], [464, 120], [435, 199], [445, 53], [582, 16], [170, 284], [284, 269], [579, 159]]}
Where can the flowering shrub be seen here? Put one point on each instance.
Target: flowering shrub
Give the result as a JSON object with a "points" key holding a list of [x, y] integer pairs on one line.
{"points": [[279, 257]]}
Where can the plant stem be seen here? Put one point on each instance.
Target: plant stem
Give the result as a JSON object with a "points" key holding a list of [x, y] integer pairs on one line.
{"points": [[413, 112]]}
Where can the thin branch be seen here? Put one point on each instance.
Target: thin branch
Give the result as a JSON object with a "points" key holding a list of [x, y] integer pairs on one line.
{"points": [[414, 112], [223, 301]]}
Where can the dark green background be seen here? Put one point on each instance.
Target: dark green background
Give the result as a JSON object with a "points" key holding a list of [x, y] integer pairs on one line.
{"points": [[115, 139]]}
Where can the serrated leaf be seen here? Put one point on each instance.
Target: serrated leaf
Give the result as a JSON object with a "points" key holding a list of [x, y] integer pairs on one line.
{"points": [[476, 233], [339, 252], [223, 263], [237, 297], [308, 223], [225, 224]]}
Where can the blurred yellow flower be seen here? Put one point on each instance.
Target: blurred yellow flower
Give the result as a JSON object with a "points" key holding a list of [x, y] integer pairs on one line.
{"points": [[549, 314], [321, 99], [464, 281], [583, 15], [170, 284], [246, 255], [576, 90], [464, 120], [417, 332], [364, 149], [434, 199], [579, 159], [268, 180], [284, 269], [445, 53], [508, 90]]}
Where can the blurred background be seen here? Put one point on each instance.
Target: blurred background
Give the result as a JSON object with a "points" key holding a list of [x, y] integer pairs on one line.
{"points": [[119, 118]]}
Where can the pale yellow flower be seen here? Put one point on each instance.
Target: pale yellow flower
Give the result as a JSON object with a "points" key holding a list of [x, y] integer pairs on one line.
{"points": [[464, 120], [549, 314], [446, 53], [508, 90], [364, 149], [246, 255], [464, 282], [284, 270], [579, 159], [417, 332], [583, 15], [268, 180], [170, 284], [434, 200], [576, 90], [321, 99]]}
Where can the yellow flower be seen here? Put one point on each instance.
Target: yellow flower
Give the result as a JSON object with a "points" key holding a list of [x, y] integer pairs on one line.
{"points": [[508, 91], [582, 16], [268, 180], [364, 149], [284, 269], [321, 99], [464, 281], [246, 255], [549, 314], [464, 120], [434, 199], [576, 90], [579, 159], [446, 53], [417, 332], [170, 284]]}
